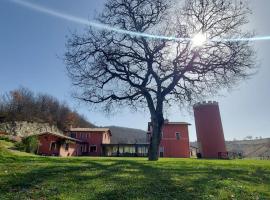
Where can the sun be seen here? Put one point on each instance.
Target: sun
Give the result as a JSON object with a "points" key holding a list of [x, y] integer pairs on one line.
{"points": [[199, 39]]}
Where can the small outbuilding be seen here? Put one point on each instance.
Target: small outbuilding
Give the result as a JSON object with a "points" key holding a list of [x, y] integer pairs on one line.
{"points": [[193, 151], [55, 144]]}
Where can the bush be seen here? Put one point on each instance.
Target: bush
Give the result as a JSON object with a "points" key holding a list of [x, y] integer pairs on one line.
{"points": [[28, 144], [5, 138]]}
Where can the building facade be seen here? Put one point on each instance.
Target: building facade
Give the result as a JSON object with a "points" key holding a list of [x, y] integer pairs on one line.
{"points": [[75, 142], [126, 150], [52, 144], [174, 140], [97, 142], [92, 139]]}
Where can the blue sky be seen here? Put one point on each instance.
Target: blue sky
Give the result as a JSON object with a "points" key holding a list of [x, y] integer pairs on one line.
{"points": [[32, 45]]}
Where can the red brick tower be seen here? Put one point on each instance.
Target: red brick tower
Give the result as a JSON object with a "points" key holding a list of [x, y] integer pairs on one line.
{"points": [[209, 130]]}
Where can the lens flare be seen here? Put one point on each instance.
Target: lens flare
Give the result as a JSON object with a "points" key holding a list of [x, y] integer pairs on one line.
{"points": [[96, 25], [199, 39]]}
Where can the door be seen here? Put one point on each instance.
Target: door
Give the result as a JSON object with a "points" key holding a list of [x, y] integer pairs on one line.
{"points": [[161, 152]]}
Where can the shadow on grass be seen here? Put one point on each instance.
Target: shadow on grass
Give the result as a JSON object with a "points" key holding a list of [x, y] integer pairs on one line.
{"points": [[54, 178]]}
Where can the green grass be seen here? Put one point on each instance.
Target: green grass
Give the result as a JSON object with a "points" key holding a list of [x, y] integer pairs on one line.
{"points": [[24, 176]]}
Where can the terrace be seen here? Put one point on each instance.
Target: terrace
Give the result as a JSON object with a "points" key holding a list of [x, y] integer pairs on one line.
{"points": [[125, 150]]}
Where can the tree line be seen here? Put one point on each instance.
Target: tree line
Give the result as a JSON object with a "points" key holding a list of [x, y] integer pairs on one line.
{"points": [[24, 105]]}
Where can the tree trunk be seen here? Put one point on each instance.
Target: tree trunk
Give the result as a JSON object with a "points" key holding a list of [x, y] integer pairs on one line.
{"points": [[156, 123]]}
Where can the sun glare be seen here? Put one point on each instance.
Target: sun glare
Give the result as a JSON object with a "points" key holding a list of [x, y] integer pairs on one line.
{"points": [[199, 39]]}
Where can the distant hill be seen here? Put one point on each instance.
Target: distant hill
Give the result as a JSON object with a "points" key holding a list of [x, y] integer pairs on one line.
{"points": [[127, 135], [249, 148]]}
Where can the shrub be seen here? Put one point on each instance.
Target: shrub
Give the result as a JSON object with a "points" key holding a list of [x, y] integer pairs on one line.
{"points": [[28, 144]]}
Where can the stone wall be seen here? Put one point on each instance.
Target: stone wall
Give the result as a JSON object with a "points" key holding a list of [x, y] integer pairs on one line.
{"points": [[24, 128]]}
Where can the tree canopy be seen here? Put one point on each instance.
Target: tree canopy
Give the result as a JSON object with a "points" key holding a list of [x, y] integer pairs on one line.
{"points": [[23, 105]]}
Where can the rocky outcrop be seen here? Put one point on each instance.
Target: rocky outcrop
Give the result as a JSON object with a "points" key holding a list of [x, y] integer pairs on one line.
{"points": [[23, 128]]}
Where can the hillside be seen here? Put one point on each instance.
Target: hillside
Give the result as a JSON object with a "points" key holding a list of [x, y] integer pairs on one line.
{"points": [[23, 112], [24, 105], [24, 128], [127, 135], [249, 148]]}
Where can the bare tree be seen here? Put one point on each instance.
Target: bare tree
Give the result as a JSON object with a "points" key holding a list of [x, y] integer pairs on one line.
{"points": [[23, 105], [128, 69]]}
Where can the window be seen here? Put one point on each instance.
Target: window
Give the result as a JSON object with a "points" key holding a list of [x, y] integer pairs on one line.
{"points": [[93, 148], [53, 146], [66, 145], [162, 134], [73, 135], [178, 136]]}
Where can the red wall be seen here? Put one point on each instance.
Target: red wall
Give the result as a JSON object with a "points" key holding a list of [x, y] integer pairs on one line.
{"points": [[172, 147], [209, 130], [93, 138], [45, 144]]}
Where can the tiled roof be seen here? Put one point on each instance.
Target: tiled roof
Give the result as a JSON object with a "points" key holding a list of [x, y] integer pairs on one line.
{"points": [[89, 129], [101, 130], [61, 136], [183, 123]]}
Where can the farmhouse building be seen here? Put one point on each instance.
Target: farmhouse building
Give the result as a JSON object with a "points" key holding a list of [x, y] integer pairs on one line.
{"points": [[54, 144], [174, 139], [97, 142], [92, 139], [75, 142]]}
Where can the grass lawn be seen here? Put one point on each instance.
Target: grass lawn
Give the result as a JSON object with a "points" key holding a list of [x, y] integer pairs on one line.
{"points": [[24, 176]]}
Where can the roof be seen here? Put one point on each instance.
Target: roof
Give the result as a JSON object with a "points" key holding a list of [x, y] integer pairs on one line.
{"points": [[126, 144], [60, 136], [171, 123], [182, 123], [90, 130]]}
